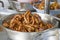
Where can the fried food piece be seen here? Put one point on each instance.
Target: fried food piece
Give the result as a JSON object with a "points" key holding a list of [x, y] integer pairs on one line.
{"points": [[41, 5], [54, 6], [6, 24], [27, 22]]}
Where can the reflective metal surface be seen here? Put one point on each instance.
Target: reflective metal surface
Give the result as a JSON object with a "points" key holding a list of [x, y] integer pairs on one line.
{"points": [[47, 6], [14, 35], [53, 34]]}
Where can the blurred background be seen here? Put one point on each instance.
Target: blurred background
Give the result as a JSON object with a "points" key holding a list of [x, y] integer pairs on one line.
{"points": [[7, 5]]}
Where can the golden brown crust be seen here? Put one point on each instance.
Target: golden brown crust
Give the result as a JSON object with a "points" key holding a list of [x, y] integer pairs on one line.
{"points": [[27, 23]]}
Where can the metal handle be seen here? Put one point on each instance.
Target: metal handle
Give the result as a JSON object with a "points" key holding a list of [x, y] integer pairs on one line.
{"points": [[47, 6], [2, 3]]}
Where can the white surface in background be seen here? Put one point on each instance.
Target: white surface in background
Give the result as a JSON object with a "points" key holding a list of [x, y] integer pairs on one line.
{"points": [[7, 11]]}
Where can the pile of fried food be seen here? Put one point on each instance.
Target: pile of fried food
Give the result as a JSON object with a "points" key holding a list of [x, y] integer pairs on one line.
{"points": [[53, 6], [27, 22]]}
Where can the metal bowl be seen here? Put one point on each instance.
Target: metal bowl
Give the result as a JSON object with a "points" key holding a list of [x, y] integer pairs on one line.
{"points": [[15, 35], [53, 34]]}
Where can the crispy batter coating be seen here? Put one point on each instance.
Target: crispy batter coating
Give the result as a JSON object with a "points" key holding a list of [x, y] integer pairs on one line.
{"points": [[27, 23]]}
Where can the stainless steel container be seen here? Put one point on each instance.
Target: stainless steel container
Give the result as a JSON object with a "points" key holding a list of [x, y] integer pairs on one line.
{"points": [[53, 34], [14, 35]]}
